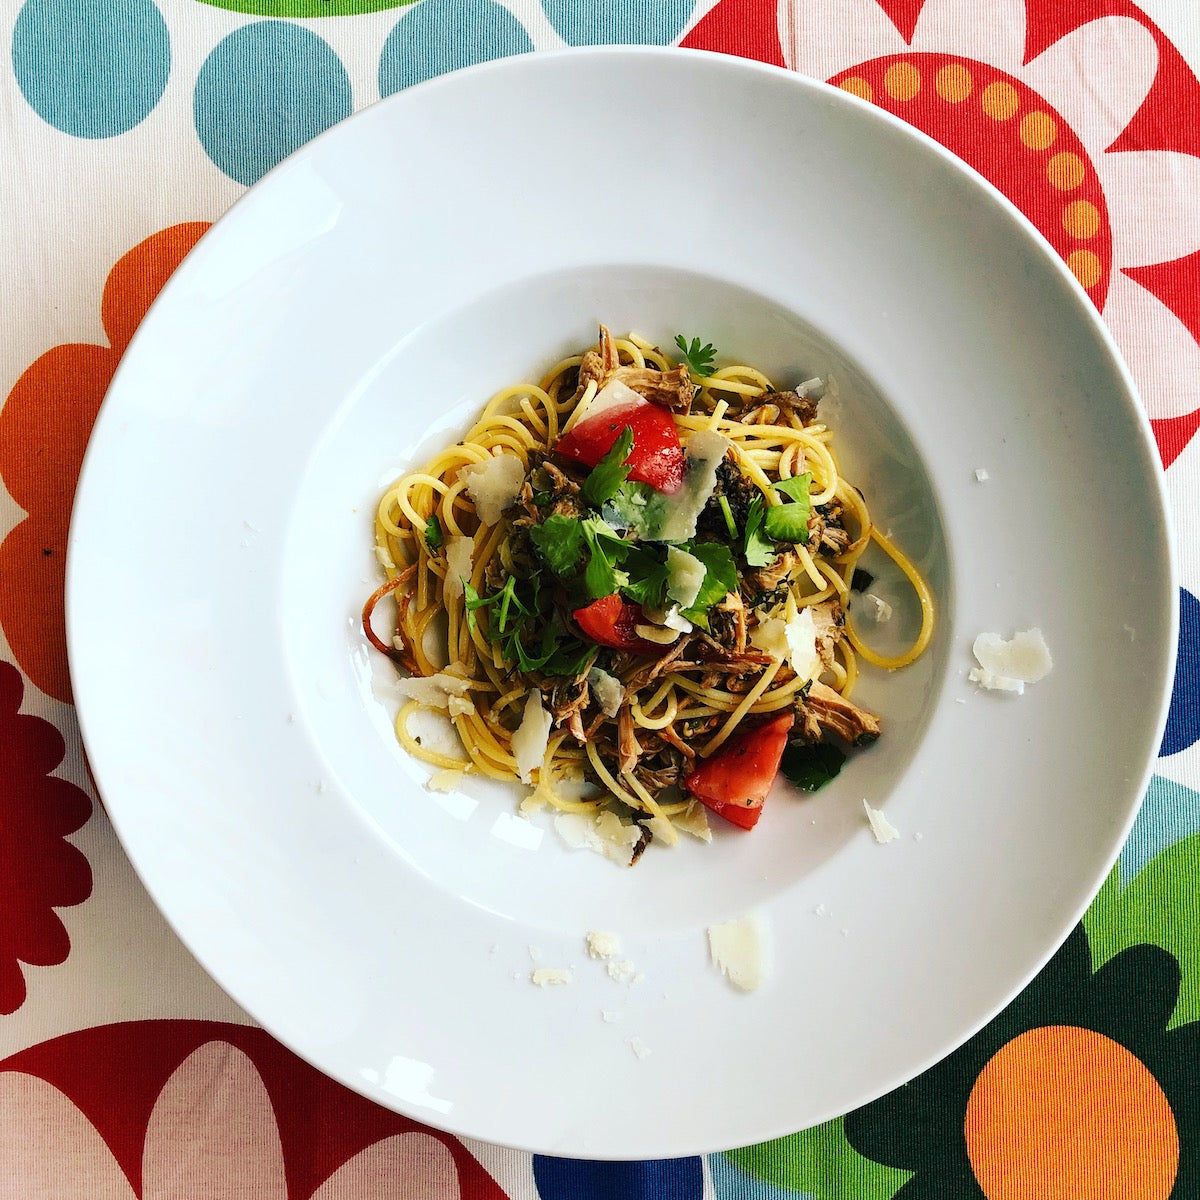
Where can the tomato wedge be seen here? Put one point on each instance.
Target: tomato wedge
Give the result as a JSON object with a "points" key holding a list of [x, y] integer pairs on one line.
{"points": [[612, 621], [735, 781], [656, 457]]}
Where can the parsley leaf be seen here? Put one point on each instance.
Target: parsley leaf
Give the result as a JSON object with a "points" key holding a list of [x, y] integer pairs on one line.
{"points": [[758, 549], [610, 472], [600, 576], [811, 767], [559, 541], [433, 534], [699, 358], [789, 522], [647, 582], [720, 577]]}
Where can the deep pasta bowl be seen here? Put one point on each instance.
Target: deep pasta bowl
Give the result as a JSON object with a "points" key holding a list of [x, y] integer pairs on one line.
{"points": [[354, 312]]}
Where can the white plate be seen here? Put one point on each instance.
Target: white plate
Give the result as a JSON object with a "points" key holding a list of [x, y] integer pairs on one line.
{"points": [[358, 306]]}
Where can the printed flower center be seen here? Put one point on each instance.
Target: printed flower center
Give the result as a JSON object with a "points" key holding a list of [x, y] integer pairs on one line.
{"points": [[1063, 1113], [1013, 138]]}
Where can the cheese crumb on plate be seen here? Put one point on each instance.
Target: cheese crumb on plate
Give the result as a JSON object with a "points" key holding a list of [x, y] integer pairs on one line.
{"points": [[881, 827], [550, 976], [602, 945]]}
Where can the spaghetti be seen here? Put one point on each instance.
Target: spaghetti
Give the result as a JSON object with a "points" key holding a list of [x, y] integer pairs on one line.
{"points": [[635, 573]]}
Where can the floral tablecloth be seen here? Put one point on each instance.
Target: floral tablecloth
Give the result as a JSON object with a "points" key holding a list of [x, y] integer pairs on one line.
{"points": [[126, 128]]}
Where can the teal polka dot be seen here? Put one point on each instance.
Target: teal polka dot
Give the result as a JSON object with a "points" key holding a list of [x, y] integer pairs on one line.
{"points": [[263, 92], [618, 22], [442, 35], [92, 68]]}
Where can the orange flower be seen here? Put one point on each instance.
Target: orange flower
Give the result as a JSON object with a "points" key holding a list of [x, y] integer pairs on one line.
{"points": [[44, 428]]}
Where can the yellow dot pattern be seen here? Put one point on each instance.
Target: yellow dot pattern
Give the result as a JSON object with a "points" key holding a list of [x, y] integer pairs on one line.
{"points": [[1085, 266], [1081, 219], [1000, 100], [1038, 130], [1065, 171], [856, 85], [954, 83], [902, 81]]}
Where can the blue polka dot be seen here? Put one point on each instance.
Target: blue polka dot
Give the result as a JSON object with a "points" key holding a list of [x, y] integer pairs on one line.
{"points": [[265, 91], [92, 68], [609, 22], [1183, 719], [443, 35], [1169, 813], [660, 1179]]}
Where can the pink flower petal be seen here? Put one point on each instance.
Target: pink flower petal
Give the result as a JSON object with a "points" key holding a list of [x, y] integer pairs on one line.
{"points": [[49, 1150], [1153, 204], [409, 1164], [1163, 357], [822, 37], [212, 1133], [990, 31], [1097, 77]]}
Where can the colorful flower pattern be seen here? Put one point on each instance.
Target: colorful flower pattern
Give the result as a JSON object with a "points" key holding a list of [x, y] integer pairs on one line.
{"points": [[1106, 165]]}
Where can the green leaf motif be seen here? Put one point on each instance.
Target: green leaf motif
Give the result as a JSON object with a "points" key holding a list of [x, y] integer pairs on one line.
{"points": [[820, 1163], [1158, 906]]}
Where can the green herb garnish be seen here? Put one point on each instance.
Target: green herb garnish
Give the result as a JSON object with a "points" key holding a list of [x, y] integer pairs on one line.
{"points": [[789, 522], [811, 767], [559, 542], [433, 535], [758, 549], [727, 513], [610, 472], [699, 359]]}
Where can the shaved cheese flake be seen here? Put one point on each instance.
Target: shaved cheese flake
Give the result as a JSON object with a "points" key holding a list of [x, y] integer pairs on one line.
{"points": [[791, 638], [384, 558], [1008, 665], [674, 619], [613, 395], [433, 691], [550, 976], [493, 485], [605, 834], [880, 609], [685, 577], [460, 706], [446, 780], [881, 827], [639, 1047], [694, 821], [656, 633], [532, 737], [460, 551], [738, 949], [607, 690], [705, 452], [661, 830]]}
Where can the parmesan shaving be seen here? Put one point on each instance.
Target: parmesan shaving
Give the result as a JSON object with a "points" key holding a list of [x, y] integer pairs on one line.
{"points": [[433, 691], [460, 551], [881, 827], [793, 639], [1008, 665], [604, 833], [607, 690], [881, 610], [532, 737], [694, 821], [446, 780], [685, 577], [614, 395], [493, 485], [550, 976], [738, 950]]}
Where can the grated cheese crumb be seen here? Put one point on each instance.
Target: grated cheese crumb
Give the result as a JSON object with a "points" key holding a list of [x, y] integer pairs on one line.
{"points": [[981, 475], [601, 944], [881, 827], [639, 1047], [460, 556], [434, 691], [606, 1014], [881, 610], [621, 970]]}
